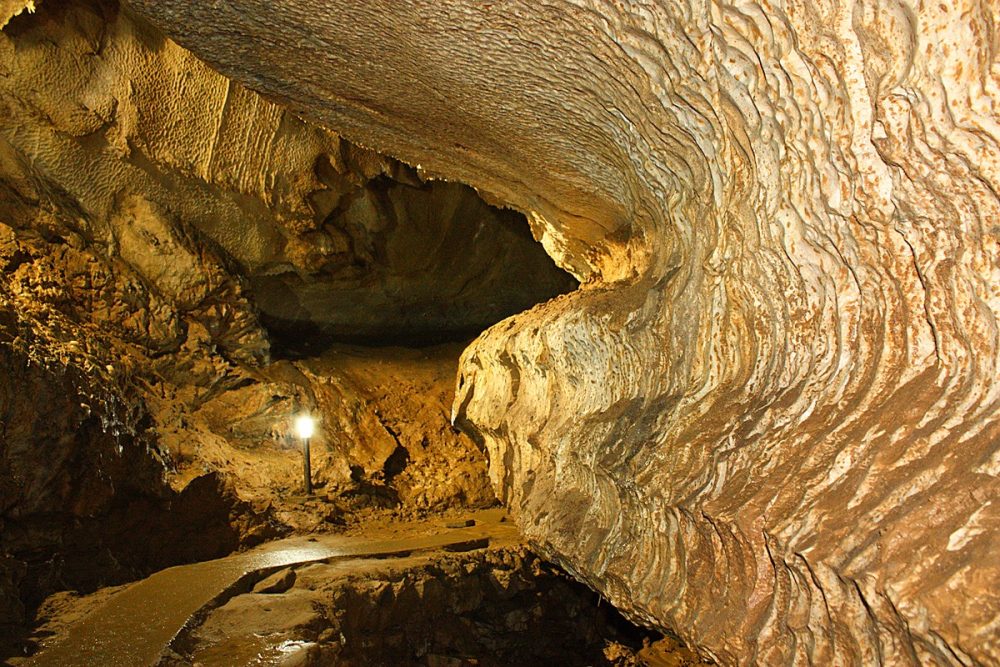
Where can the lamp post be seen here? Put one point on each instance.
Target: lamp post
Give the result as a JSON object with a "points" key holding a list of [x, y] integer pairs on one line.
{"points": [[304, 426]]}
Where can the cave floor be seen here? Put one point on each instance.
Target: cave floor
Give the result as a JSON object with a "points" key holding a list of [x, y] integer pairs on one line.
{"points": [[136, 625], [448, 592]]}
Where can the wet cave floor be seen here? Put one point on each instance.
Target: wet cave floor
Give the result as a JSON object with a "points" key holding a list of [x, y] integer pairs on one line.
{"points": [[454, 591]]}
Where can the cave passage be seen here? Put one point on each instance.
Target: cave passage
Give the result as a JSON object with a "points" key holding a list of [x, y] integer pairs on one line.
{"points": [[785, 216], [367, 311], [402, 262]]}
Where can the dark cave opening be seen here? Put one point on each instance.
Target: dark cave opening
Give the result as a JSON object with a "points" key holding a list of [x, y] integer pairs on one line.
{"points": [[400, 262]]}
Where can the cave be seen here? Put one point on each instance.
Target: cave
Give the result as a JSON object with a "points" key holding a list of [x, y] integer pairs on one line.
{"points": [[631, 333]]}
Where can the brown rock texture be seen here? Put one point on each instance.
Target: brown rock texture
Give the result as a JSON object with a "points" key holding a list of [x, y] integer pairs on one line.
{"points": [[769, 417], [383, 267]]}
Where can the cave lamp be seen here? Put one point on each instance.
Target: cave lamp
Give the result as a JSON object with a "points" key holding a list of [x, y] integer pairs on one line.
{"points": [[305, 426]]}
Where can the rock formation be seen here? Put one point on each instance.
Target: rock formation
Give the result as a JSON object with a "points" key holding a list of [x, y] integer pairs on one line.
{"points": [[769, 417]]}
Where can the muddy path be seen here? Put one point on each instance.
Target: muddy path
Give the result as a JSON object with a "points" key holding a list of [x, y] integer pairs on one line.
{"points": [[135, 626]]}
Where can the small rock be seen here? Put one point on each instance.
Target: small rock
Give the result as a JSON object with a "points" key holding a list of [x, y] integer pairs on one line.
{"points": [[279, 582], [504, 583], [463, 523]]}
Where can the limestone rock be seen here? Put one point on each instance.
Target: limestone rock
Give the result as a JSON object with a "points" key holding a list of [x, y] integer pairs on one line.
{"points": [[406, 263], [148, 155], [769, 418]]}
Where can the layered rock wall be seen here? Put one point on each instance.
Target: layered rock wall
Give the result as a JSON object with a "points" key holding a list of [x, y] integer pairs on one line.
{"points": [[769, 419], [128, 143]]}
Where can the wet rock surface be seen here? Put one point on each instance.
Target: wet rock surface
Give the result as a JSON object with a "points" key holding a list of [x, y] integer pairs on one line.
{"points": [[486, 607], [494, 608], [397, 592]]}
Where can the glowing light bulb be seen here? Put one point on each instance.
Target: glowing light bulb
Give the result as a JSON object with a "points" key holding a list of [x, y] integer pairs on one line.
{"points": [[304, 426]]}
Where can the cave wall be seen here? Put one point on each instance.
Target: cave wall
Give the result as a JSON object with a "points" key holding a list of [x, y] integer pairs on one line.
{"points": [[400, 261], [83, 499], [129, 140], [118, 315], [769, 418]]}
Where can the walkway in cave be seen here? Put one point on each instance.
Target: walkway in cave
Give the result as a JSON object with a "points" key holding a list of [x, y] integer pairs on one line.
{"points": [[461, 592], [136, 626]]}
